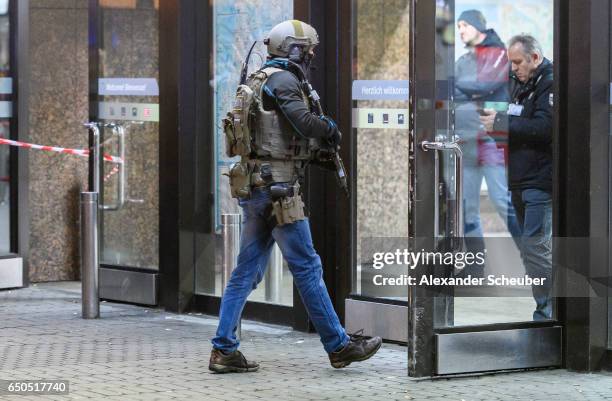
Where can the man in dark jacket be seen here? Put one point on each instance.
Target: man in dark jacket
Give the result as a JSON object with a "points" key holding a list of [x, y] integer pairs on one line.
{"points": [[481, 81], [529, 121]]}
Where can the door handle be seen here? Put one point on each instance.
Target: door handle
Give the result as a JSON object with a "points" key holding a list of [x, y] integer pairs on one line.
{"points": [[94, 155], [120, 197], [96, 166], [453, 146]]}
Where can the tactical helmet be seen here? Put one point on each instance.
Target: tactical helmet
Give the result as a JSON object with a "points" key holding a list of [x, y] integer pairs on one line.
{"points": [[289, 33]]}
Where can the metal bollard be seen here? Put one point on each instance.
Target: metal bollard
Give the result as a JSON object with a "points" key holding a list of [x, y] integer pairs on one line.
{"points": [[231, 247], [274, 276], [89, 255]]}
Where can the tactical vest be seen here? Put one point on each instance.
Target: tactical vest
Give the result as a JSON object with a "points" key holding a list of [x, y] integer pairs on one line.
{"points": [[270, 148]]}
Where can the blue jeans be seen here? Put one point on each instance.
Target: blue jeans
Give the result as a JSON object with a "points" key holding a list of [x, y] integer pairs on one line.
{"points": [[495, 176], [534, 212], [295, 242]]}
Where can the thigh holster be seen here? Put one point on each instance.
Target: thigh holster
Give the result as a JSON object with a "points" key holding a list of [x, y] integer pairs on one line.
{"points": [[287, 204]]}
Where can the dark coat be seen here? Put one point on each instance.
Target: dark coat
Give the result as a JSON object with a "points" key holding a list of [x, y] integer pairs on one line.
{"points": [[482, 74], [530, 134], [481, 78], [283, 92]]}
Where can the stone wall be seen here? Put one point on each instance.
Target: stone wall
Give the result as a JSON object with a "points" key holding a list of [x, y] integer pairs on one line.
{"points": [[59, 91], [58, 106]]}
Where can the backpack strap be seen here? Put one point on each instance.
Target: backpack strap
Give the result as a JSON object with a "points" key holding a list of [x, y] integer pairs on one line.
{"points": [[258, 79]]}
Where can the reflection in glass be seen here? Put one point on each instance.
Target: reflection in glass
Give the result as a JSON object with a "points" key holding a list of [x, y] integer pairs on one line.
{"points": [[381, 35], [237, 24], [498, 183]]}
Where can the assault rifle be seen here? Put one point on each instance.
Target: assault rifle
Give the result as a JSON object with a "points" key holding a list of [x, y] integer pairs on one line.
{"points": [[341, 177], [330, 153]]}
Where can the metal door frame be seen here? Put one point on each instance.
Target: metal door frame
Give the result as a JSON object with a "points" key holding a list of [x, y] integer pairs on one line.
{"points": [[435, 351], [583, 193]]}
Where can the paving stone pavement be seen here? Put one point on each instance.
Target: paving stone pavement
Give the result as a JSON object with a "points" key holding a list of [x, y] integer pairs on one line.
{"points": [[137, 353]]}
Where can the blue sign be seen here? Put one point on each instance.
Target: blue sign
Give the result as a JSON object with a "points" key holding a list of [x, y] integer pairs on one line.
{"points": [[128, 86], [381, 90]]}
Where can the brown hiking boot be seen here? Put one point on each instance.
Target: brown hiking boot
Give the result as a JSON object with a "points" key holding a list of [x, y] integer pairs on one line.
{"points": [[234, 362], [359, 348]]}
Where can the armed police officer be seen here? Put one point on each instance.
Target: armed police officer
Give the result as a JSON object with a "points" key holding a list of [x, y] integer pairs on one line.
{"points": [[277, 128]]}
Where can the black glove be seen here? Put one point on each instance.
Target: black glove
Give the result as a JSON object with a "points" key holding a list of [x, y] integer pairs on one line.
{"points": [[335, 138]]}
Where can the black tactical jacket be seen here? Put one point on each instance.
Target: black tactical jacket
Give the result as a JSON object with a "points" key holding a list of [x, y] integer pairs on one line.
{"points": [[283, 91], [530, 134]]}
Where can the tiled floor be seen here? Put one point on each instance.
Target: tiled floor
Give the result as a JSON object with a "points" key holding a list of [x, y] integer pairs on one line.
{"points": [[135, 353]]}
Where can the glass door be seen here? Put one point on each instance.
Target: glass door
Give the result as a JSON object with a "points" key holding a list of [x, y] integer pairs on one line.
{"points": [[381, 117], [239, 28], [479, 75], [453, 206], [124, 79]]}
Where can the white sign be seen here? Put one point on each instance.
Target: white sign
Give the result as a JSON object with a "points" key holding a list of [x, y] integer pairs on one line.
{"points": [[128, 111], [380, 118]]}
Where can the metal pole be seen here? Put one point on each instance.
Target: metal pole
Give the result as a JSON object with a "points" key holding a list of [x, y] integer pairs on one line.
{"points": [[274, 276], [231, 246], [89, 255]]}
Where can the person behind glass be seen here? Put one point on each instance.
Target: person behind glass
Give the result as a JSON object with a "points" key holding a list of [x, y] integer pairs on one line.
{"points": [[529, 121], [279, 148], [481, 80]]}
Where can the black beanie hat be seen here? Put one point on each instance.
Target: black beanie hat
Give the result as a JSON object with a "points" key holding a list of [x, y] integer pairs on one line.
{"points": [[474, 18]]}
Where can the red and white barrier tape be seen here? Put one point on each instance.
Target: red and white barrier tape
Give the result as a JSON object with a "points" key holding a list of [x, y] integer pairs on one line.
{"points": [[76, 152], [5, 179], [111, 173]]}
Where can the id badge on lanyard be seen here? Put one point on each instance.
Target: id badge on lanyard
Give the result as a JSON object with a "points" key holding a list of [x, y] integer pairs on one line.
{"points": [[515, 109]]}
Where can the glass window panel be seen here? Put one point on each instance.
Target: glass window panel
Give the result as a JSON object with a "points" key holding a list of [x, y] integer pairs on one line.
{"points": [[472, 55], [380, 59], [129, 53], [237, 24]]}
